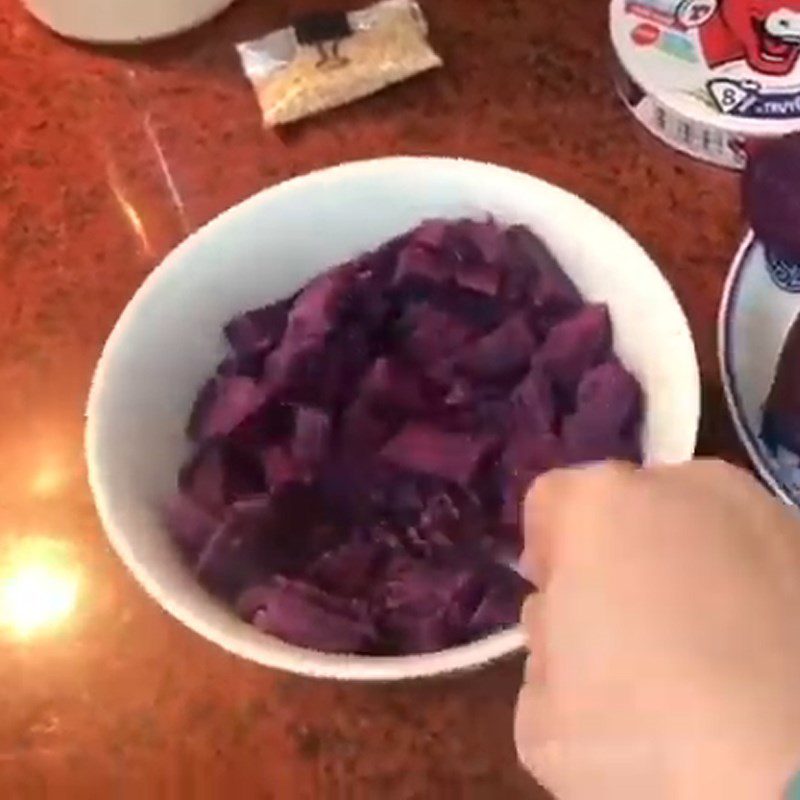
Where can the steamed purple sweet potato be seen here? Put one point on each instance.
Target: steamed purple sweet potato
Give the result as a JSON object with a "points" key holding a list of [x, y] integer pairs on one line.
{"points": [[770, 196], [450, 455], [606, 421], [305, 615], [362, 454]]}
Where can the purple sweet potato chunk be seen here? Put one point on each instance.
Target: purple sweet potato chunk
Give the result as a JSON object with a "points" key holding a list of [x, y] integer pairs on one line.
{"points": [[232, 555], [529, 453], [452, 456], [431, 233], [416, 598], [503, 352], [417, 262], [246, 364], [477, 249], [501, 605], [328, 375], [781, 422], [258, 330], [551, 290], [412, 633], [440, 515], [770, 196], [200, 408], [576, 344], [312, 317], [282, 468], [480, 277], [463, 602], [350, 569], [479, 312], [220, 473], [487, 237], [315, 310], [612, 394], [433, 334], [223, 404], [364, 429], [390, 383], [312, 435], [606, 421], [191, 524], [204, 476], [533, 403], [304, 615], [244, 474]]}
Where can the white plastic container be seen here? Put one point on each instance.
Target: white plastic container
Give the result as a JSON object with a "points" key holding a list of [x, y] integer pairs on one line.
{"points": [[707, 76], [168, 340], [119, 21]]}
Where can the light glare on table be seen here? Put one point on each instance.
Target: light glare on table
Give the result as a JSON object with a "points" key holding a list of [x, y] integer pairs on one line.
{"points": [[37, 591]]}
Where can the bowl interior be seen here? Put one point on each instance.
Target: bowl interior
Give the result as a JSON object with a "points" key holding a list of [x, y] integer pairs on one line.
{"points": [[168, 340], [758, 308]]}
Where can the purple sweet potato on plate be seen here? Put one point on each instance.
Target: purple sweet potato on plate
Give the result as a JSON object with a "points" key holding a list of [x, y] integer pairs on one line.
{"points": [[781, 421], [770, 196], [361, 455]]}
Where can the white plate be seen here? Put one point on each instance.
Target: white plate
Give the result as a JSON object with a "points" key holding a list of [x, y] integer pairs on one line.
{"points": [[759, 305], [168, 340]]}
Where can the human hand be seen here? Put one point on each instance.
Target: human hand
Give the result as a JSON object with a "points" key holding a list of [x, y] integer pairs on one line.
{"points": [[665, 639]]}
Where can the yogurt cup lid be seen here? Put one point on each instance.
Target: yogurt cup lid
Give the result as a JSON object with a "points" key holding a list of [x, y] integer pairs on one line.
{"points": [[730, 66]]}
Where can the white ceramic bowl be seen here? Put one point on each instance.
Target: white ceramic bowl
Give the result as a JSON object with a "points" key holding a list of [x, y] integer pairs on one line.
{"points": [[759, 305], [168, 340], [119, 21]]}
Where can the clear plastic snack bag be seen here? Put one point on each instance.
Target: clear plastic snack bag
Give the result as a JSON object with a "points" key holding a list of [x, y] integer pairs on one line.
{"points": [[329, 59]]}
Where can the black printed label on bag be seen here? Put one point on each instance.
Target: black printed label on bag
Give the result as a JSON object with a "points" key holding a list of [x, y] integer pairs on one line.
{"points": [[324, 26]]}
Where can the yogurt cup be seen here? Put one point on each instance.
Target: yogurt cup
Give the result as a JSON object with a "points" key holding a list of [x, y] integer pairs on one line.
{"points": [[708, 76]]}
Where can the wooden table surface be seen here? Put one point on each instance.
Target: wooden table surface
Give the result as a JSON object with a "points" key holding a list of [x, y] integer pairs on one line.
{"points": [[108, 158]]}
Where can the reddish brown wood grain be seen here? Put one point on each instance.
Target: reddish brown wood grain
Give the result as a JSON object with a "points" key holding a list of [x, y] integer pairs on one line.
{"points": [[107, 159]]}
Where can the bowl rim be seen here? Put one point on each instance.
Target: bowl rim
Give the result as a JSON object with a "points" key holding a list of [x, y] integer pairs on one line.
{"points": [[304, 661], [726, 345]]}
